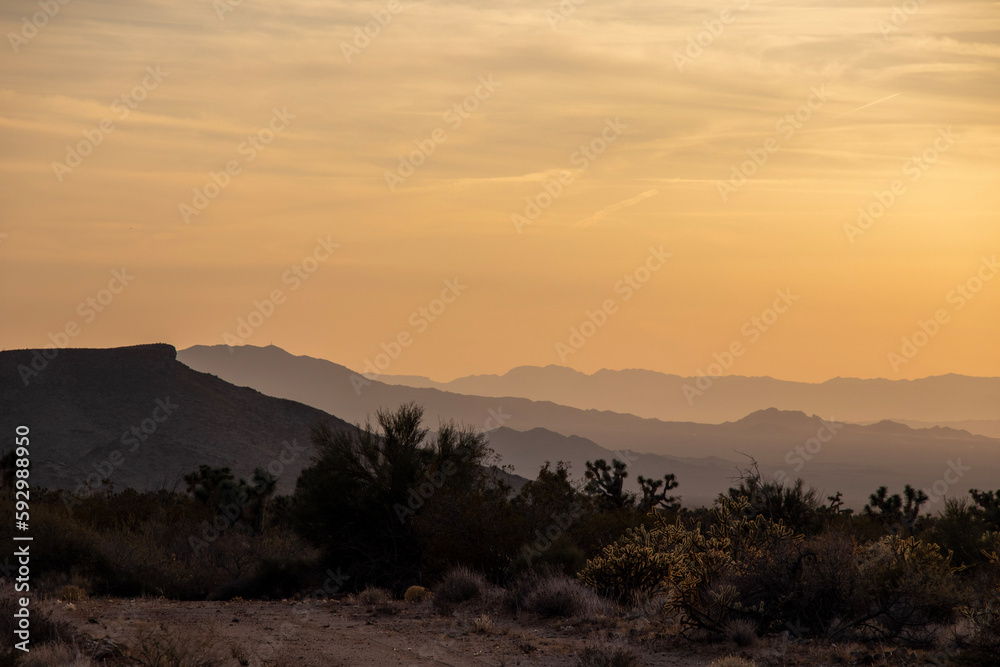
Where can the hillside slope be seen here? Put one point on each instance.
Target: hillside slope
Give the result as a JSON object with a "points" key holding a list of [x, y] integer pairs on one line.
{"points": [[143, 419]]}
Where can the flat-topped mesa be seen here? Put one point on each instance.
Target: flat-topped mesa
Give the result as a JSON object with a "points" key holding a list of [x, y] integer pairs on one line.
{"points": [[33, 365]]}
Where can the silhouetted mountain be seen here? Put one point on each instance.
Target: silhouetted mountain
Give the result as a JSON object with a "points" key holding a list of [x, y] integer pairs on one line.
{"points": [[644, 393], [987, 427], [856, 459], [143, 419]]}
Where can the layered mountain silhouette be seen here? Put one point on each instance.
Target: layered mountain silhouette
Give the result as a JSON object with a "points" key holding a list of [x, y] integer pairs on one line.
{"points": [[954, 400], [144, 416], [833, 456]]}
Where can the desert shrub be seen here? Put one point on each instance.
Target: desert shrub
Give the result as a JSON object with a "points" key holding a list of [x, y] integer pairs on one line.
{"points": [[460, 584], [483, 625], [984, 617], [374, 596], [416, 594], [274, 579], [607, 656], [959, 529], [562, 553], [710, 574], [795, 505], [906, 585], [635, 566], [71, 593], [742, 631], [825, 587], [559, 596], [68, 550], [550, 593], [162, 646], [360, 498], [746, 566]]}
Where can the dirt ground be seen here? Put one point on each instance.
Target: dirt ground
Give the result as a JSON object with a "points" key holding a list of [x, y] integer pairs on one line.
{"points": [[348, 634]]}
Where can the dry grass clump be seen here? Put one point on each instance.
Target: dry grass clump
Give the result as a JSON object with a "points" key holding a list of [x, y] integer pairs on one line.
{"points": [[608, 656], [553, 595], [162, 646], [742, 631], [374, 596], [561, 596], [71, 593], [460, 584], [733, 661]]}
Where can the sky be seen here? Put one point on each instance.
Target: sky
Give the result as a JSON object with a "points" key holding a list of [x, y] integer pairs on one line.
{"points": [[802, 190]]}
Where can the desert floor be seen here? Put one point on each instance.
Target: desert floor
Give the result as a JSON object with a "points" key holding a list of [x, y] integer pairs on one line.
{"points": [[348, 634]]}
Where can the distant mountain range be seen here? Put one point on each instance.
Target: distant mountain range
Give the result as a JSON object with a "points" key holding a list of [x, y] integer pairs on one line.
{"points": [[144, 416], [852, 458], [961, 401]]}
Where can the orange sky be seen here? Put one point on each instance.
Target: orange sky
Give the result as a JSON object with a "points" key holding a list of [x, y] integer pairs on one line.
{"points": [[667, 121]]}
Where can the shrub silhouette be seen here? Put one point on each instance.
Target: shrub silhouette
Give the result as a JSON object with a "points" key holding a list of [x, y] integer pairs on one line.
{"points": [[460, 584], [358, 498], [606, 483], [894, 515]]}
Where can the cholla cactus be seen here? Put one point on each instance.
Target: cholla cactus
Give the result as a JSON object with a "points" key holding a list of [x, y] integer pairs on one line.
{"points": [[697, 569], [637, 565]]}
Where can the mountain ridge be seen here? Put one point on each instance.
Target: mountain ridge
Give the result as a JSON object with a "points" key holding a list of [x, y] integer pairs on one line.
{"points": [[776, 441], [944, 399]]}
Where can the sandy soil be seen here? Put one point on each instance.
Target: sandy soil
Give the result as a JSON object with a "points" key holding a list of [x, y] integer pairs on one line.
{"points": [[348, 634]]}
